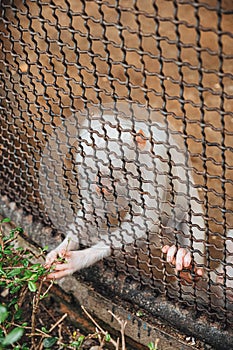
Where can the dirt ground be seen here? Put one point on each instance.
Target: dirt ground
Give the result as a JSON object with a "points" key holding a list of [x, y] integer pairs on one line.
{"points": [[49, 317], [174, 56]]}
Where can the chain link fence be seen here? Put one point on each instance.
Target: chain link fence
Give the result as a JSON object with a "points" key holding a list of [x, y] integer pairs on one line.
{"points": [[116, 125]]}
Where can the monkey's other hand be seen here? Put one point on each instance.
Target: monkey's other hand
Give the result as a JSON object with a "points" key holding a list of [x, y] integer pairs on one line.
{"points": [[70, 261], [180, 258]]}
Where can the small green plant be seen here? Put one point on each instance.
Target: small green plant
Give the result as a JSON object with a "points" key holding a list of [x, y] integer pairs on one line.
{"points": [[139, 313], [78, 343], [8, 338], [18, 277], [23, 286], [153, 345], [104, 337]]}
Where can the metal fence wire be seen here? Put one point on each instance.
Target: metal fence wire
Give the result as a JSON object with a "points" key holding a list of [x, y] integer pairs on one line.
{"points": [[116, 125]]}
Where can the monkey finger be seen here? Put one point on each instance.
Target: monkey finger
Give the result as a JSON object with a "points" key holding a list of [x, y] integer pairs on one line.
{"points": [[187, 259], [50, 258], [51, 255], [63, 254], [199, 272], [60, 270], [171, 254], [180, 259], [165, 249], [59, 274], [62, 266]]}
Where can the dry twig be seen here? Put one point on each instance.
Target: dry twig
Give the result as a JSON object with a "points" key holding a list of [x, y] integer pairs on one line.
{"points": [[123, 325], [115, 343], [35, 303]]}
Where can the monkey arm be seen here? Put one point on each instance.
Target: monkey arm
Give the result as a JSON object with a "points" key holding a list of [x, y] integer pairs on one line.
{"points": [[79, 259]]}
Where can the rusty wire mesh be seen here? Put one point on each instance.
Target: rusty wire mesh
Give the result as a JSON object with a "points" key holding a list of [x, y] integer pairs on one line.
{"points": [[168, 64]]}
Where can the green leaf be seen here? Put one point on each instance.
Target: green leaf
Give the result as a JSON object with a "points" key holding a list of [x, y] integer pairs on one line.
{"points": [[13, 336], [35, 266], [32, 286], [44, 296], [18, 315], [25, 347], [27, 275], [81, 339], [3, 313], [48, 342], [17, 229], [152, 346], [34, 277], [139, 313], [15, 289], [14, 272], [19, 249], [8, 251], [77, 343], [107, 337], [25, 262], [21, 347], [13, 301], [5, 220]]}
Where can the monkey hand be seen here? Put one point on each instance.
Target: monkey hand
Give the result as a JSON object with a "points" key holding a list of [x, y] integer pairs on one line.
{"points": [[63, 263], [182, 260], [52, 257]]}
